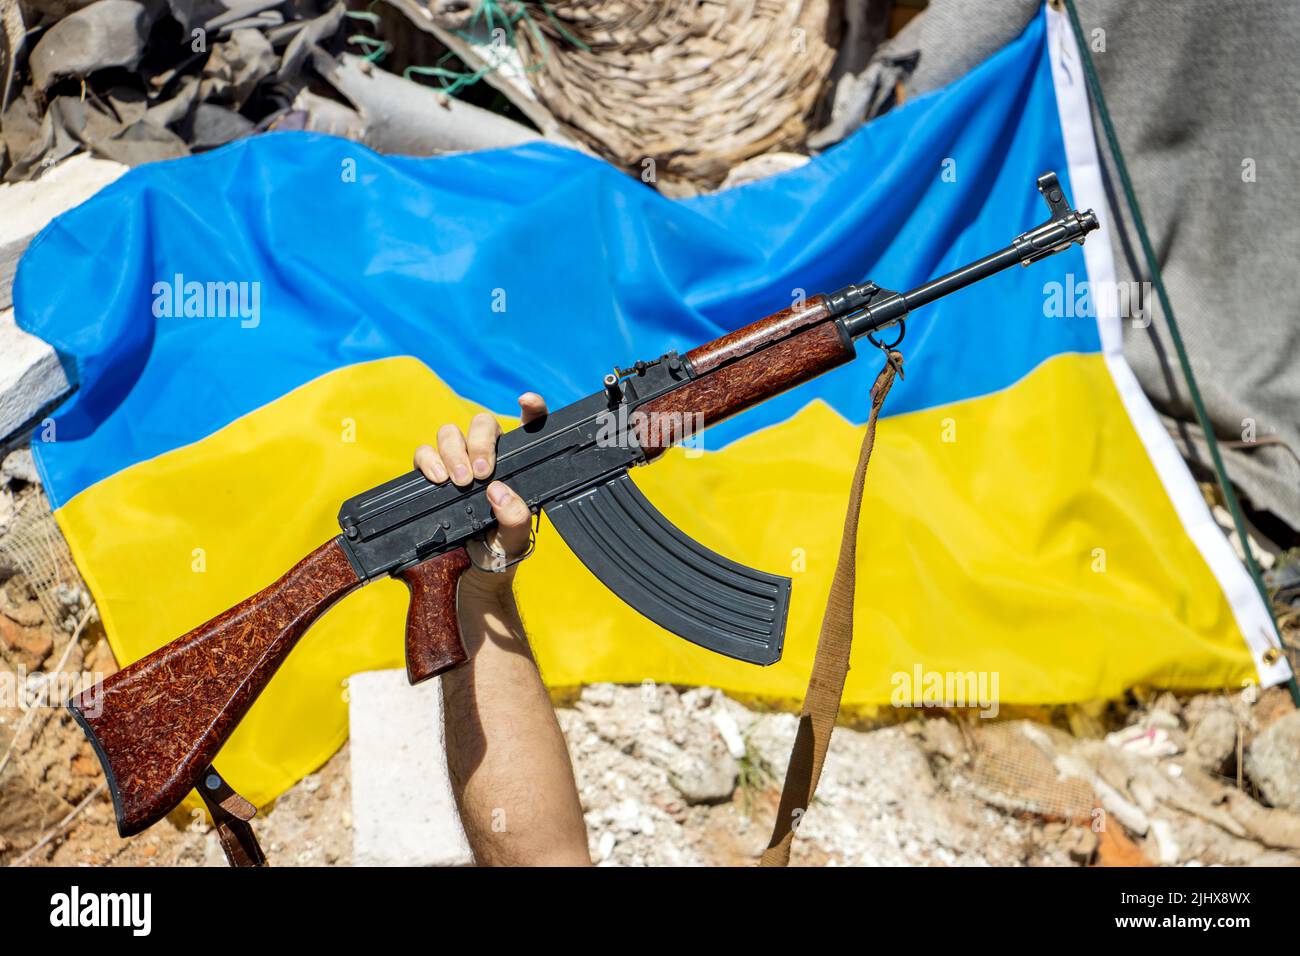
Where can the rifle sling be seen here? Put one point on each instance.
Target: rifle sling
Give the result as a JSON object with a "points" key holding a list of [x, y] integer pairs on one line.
{"points": [[230, 814], [821, 703]]}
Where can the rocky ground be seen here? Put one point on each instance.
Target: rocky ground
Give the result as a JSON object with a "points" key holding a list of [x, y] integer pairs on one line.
{"points": [[687, 776]]}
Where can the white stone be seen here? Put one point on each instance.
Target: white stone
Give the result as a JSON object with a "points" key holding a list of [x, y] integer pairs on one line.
{"points": [[403, 810], [28, 207], [31, 376], [1166, 842], [726, 727], [19, 465]]}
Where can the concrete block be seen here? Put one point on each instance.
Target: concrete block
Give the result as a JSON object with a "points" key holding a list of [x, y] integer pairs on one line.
{"points": [[28, 207], [30, 374], [403, 811], [31, 377]]}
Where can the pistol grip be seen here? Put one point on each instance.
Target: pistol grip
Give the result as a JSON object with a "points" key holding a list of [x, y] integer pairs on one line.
{"points": [[433, 643]]}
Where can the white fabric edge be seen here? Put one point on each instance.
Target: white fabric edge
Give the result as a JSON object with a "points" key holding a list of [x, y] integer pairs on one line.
{"points": [[1253, 619]]}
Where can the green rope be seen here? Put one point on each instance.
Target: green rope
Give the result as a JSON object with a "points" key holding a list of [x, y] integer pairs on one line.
{"points": [[555, 21], [378, 48], [491, 11], [1148, 251], [493, 16], [459, 79]]}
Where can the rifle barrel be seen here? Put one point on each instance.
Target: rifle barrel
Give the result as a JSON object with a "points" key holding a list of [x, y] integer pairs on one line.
{"points": [[894, 306], [865, 308]]}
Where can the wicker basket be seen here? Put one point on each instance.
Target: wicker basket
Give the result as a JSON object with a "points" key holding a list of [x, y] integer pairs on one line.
{"points": [[679, 91]]}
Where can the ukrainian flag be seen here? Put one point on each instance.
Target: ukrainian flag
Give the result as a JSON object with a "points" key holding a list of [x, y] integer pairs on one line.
{"points": [[263, 331]]}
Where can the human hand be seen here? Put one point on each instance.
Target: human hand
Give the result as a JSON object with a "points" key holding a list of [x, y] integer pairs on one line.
{"points": [[463, 457]]}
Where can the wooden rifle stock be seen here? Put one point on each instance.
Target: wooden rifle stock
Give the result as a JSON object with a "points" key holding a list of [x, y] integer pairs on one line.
{"points": [[158, 724]]}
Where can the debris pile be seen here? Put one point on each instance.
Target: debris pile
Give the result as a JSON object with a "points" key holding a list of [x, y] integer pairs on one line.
{"points": [[681, 95], [691, 777], [49, 636], [135, 82], [1180, 784]]}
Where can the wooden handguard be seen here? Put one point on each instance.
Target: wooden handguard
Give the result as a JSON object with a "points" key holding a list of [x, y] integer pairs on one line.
{"points": [[741, 369], [757, 335], [433, 643], [157, 724]]}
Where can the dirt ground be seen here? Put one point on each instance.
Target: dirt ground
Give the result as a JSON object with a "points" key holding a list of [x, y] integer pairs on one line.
{"points": [[688, 776], [895, 795]]}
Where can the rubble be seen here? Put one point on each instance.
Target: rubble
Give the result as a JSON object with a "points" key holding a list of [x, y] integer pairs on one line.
{"points": [[690, 777], [104, 34], [1213, 733], [677, 94], [18, 465], [135, 83], [1284, 579], [895, 795], [28, 647], [879, 803], [1272, 760], [393, 115]]}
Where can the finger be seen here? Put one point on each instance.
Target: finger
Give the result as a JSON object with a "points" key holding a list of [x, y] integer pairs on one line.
{"points": [[430, 463], [531, 407], [513, 519], [451, 446], [481, 443]]}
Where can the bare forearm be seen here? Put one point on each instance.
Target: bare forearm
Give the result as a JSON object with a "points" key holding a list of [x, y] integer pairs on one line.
{"points": [[510, 769], [509, 765]]}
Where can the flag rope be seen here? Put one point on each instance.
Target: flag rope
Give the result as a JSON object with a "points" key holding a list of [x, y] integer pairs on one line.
{"points": [[1157, 279]]}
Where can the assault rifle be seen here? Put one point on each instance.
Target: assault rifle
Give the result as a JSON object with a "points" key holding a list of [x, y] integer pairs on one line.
{"points": [[158, 724]]}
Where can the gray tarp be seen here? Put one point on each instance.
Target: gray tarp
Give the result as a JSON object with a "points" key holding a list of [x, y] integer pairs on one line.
{"points": [[1196, 88]]}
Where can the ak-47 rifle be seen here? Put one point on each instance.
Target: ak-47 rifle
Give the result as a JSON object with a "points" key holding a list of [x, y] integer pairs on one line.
{"points": [[157, 724]]}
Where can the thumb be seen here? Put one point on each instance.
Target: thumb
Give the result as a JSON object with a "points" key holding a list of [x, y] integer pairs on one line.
{"points": [[513, 520]]}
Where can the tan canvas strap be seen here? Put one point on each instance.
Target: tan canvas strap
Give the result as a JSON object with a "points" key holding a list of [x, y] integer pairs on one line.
{"points": [[821, 703]]}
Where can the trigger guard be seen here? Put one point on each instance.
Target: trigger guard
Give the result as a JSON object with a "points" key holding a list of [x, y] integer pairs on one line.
{"points": [[487, 558]]}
